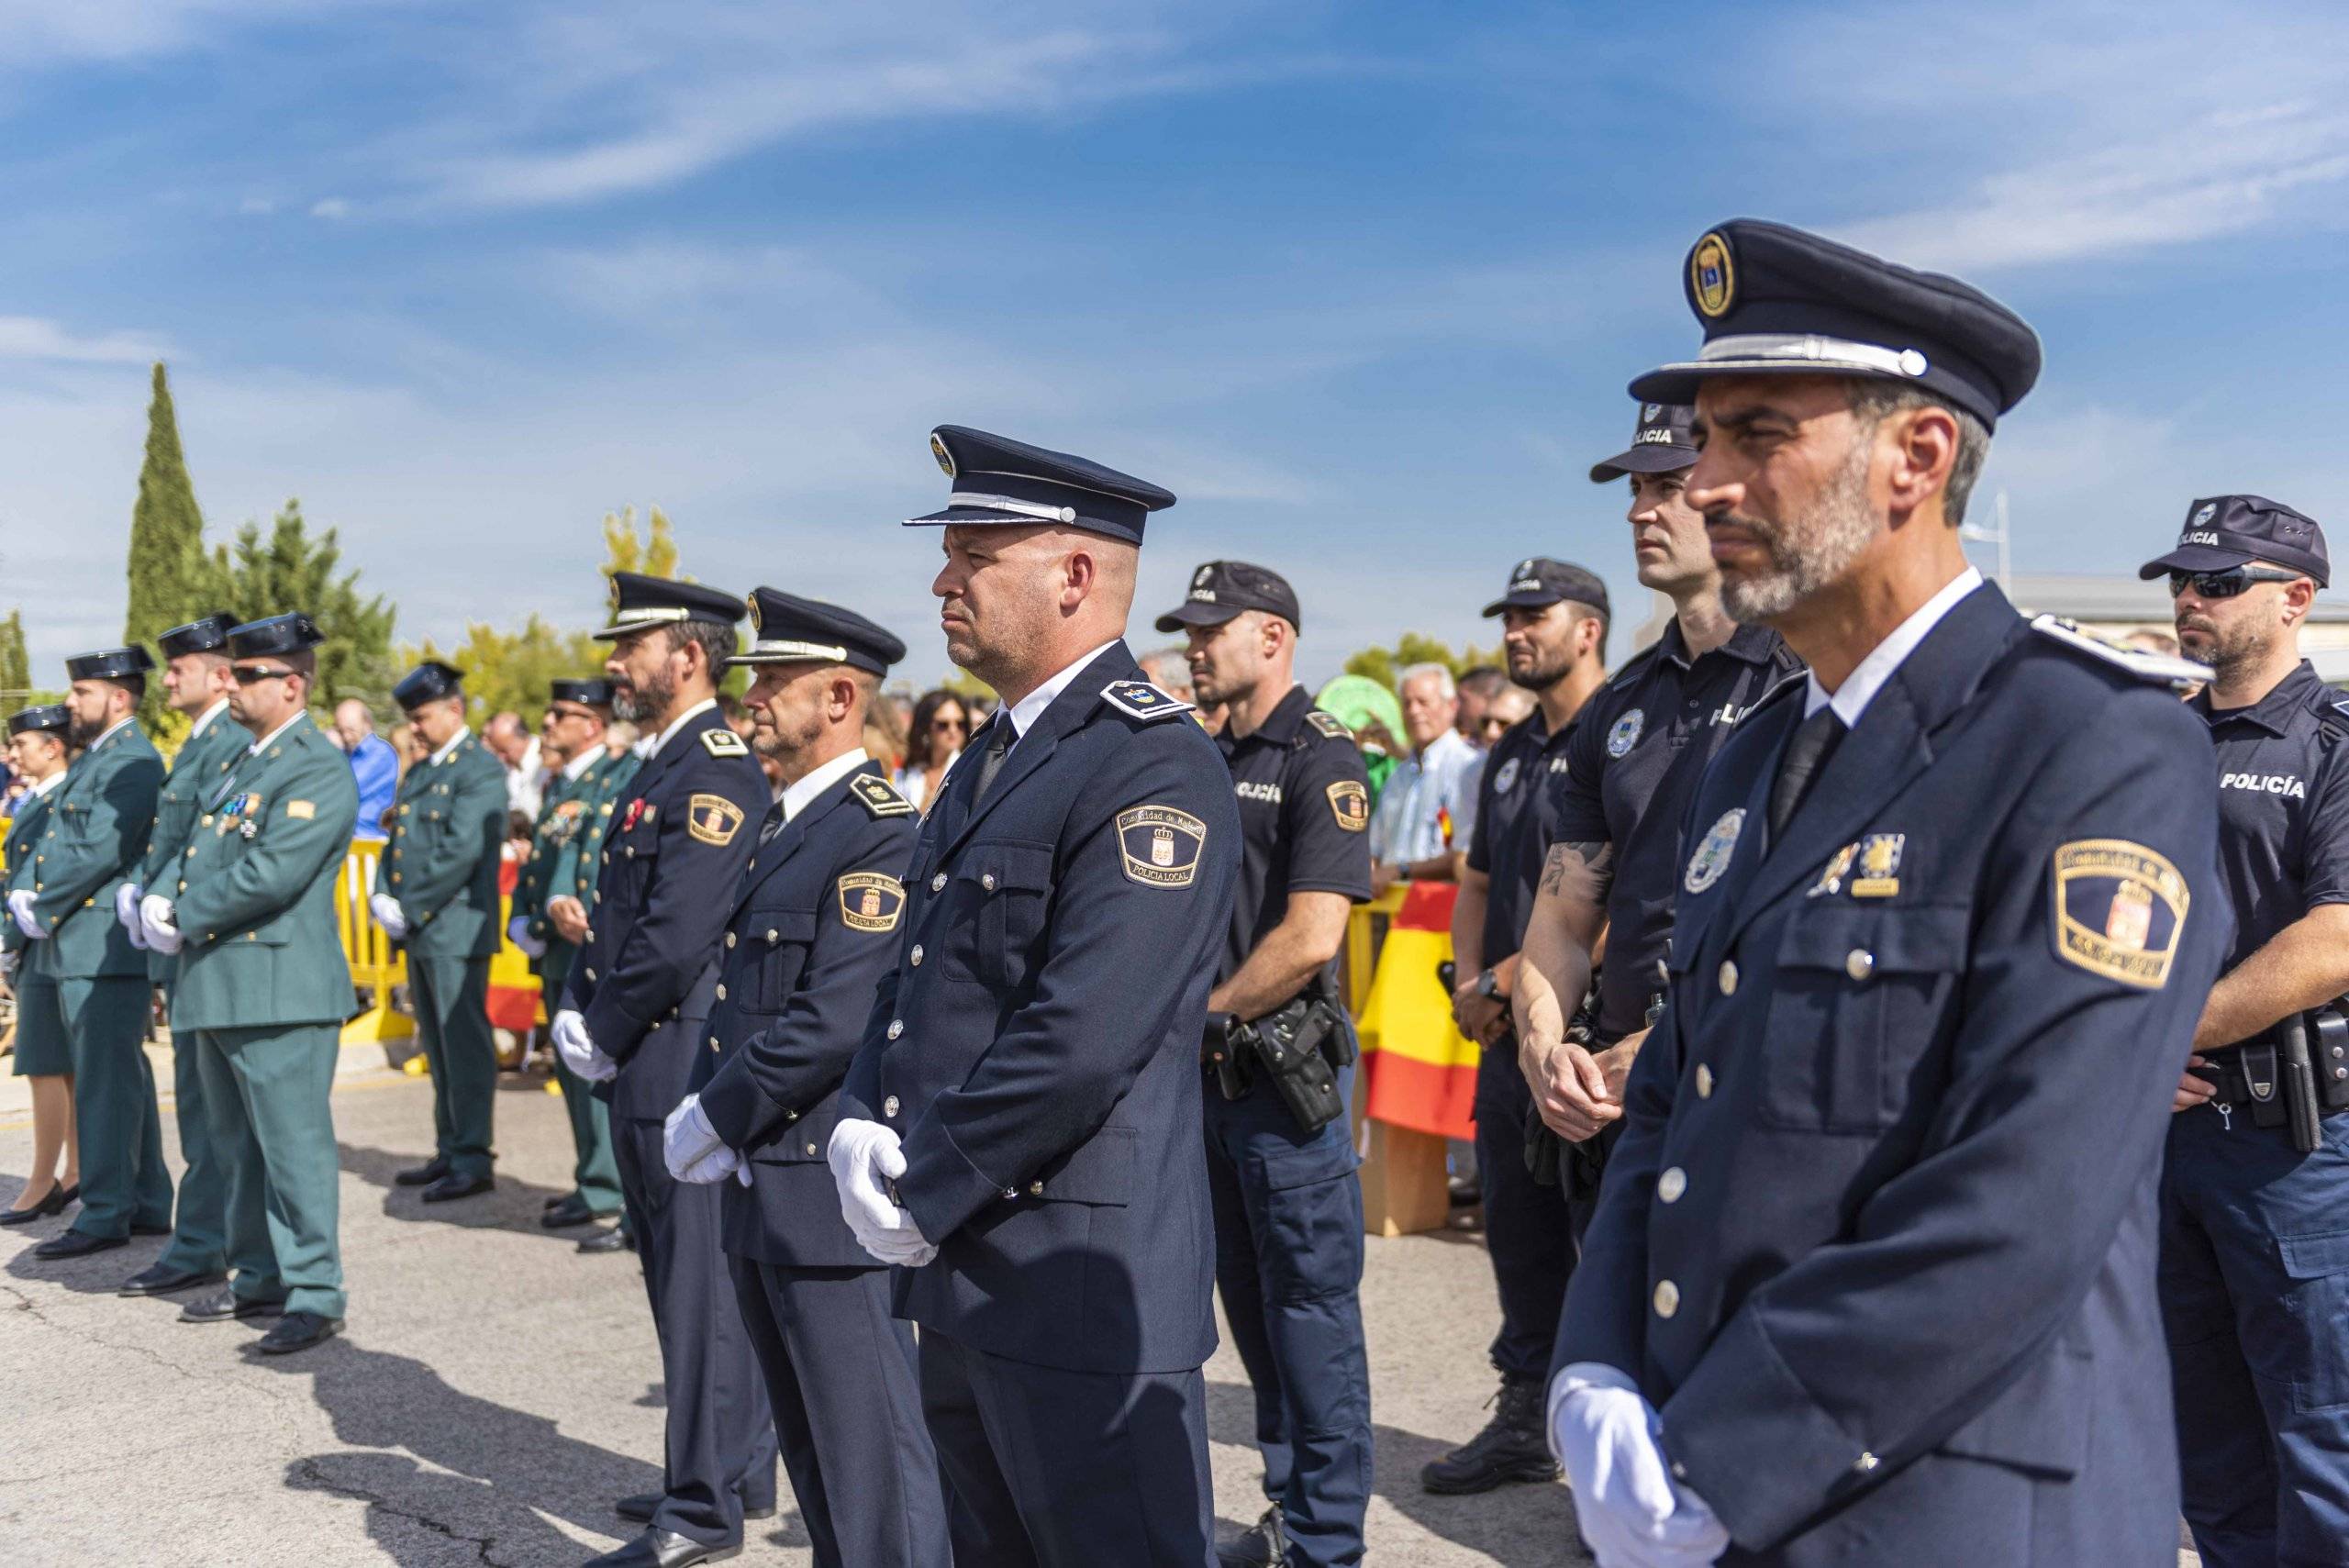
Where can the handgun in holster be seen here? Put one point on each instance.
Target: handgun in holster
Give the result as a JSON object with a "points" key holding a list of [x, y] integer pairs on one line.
{"points": [[1301, 1048], [1219, 1055], [2293, 1075]]}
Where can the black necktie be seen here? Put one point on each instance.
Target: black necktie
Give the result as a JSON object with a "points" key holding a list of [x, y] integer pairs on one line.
{"points": [[772, 825], [999, 739], [1813, 744]]}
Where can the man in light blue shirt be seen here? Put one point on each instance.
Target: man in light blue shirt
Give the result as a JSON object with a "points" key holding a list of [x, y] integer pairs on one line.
{"points": [[1428, 800], [375, 766]]}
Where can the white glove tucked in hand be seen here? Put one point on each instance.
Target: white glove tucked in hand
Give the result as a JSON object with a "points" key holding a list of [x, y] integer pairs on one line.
{"points": [[1634, 1512], [569, 1031], [159, 922], [692, 1147], [865, 1157], [386, 910], [20, 904], [126, 913], [517, 932]]}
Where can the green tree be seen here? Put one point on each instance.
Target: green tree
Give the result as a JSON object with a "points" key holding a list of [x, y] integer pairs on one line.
{"points": [[655, 555], [512, 670], [1383, 664], [290, 569], [166, 563], [15, 667]]}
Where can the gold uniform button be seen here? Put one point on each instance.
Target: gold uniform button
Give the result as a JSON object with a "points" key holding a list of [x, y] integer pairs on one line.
{"points": [[1704, 1081], [896, 1028], [1859, 964], [1672, 1183], [1035, 1189], [1668, 1298], [889, 1106], [917, 955], [987, 881], [772, 937], [811, 1149], [938, 882], [721, 992], [1729, 977], [729, 939]]}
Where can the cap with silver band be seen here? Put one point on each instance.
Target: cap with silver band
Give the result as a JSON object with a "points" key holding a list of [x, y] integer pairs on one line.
{"points": [[638, 601], [999, 481], [789, 629]]}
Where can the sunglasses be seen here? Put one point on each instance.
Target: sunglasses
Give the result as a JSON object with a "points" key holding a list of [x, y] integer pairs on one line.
{"points": [[954, 724], [245, 677], [2228, 583]]}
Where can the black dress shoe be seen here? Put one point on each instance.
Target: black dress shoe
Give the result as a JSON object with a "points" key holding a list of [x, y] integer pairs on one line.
{"points": [[613, 1240], [455, 1186], [162, 1279], [223, 1304], [423, 1175], [659, 1549], [1263, 1544], [641, 1506], [559, 1197], [299, 1331], [565, 1213], [55, 1201], [78, 1244]]}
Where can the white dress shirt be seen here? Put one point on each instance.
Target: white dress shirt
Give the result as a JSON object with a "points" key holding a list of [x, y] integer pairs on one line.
{"points": [[679, 723], [1867, 677], [795, 796], [1030, 709]]}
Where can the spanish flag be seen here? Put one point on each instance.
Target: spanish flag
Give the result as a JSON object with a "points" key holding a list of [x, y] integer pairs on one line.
{"points": [[1419, 1069]]}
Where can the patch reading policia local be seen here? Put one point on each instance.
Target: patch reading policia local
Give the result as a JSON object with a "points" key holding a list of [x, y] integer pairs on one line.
{"points": [[1161, 846], [1350, 803], [871, 902], [1626, 733], [1712, 275], [2120, 910], [1713, 852], [713, 819]]}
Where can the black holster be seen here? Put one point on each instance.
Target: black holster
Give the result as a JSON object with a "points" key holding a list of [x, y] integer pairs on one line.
{"points": [[2292, 1076], [1302, 1048], [1547, 1155]]}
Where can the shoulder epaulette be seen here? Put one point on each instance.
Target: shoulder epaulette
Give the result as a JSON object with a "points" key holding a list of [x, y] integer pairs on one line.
{"points": [[2155, 669], [879, 796], [1329, 724], [1139, 700], [720, 741]]}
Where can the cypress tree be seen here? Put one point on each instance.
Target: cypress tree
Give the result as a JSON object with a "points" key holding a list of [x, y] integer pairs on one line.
{"points": [[167, 563], [15, 668]]}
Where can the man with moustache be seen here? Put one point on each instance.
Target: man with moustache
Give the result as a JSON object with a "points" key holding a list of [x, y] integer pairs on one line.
{"points": [[810, 932], [1553, 620], [1288, 1217], [2255, 1267], [198, 682], [93, 841], [631, 1020], [1872, 1276], [1019, 1133], [1635, 758]]}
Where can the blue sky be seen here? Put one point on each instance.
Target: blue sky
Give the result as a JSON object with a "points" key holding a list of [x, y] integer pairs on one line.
{"points": [[1363, 285]]}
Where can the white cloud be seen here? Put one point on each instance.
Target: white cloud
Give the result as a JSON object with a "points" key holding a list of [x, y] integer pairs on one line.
{"points": [[36, 337], [256, 207], [330, 207]]}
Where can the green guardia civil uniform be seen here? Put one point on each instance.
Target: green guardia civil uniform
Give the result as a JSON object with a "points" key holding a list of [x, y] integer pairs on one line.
{"points": [[562, 862], [41, 1048], [264, 988], [441, 866], [199, 1233], [92, 842]]}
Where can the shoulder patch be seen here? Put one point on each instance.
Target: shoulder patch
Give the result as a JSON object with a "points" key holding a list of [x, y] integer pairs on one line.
{"points": [[1139, 700], [1161, 846], [879, 796], [2156, 668], [1329, 724], [1350, 803], [2120, 910], [713, 818], [720, 741], [871, 902]]}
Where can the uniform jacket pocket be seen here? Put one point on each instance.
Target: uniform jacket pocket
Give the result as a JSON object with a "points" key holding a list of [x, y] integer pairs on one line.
{"points": [[1859, 993], [779, 940]]}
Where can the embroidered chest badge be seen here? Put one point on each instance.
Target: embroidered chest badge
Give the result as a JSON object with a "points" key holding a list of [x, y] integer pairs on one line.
{"points": [[1506, 778], [1626, 733]]}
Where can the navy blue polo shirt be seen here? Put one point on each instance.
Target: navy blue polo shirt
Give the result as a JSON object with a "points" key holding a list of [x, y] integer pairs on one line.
{"points": [[1640, 746], [1517, 815], [2282, 805], [1304, 819]]}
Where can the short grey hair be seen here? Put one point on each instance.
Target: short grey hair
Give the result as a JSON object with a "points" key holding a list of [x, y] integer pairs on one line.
{"points": [[1874, 401], [1443, 681]]}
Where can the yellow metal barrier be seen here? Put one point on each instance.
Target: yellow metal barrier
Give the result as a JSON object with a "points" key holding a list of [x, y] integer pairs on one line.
{"points": [[375, 964]]}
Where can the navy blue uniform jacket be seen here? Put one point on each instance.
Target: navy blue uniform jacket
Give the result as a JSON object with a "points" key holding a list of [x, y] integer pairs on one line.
{"points": [[1879, 1238], [679, 837], [812, 930], [1037, 1046]]}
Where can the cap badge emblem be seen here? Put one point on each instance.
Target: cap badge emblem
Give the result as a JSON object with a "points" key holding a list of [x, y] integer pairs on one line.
{"points": [[945, 459], [1712, 277], [1206, 573], [1650, 412], [2209, 510]]}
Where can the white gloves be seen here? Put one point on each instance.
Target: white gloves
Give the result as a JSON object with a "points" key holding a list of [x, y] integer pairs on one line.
{"points": [[517, 932], [690, 1146], [20, 904], [159, 923], [126, 913], [864, 1157], [386, 910], [1634, 1512], [569, 1031]]}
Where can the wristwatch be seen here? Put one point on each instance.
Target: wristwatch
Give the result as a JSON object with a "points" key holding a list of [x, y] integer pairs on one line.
{"points": [[1488, 987]]}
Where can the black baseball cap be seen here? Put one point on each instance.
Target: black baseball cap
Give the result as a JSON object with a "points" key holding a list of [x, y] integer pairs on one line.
{"points": [[1221, 589], [2223, 532], [1661, 443], [1538, 581]]}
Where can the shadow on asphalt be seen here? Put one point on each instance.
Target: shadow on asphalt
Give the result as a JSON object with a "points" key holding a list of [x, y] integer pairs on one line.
{"points": [[1468, 1521], [100, 1274], [511, 1204]]}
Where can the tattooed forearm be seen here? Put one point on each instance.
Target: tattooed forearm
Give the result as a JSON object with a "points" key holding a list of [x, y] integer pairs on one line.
{"points": [[1588, 868]]}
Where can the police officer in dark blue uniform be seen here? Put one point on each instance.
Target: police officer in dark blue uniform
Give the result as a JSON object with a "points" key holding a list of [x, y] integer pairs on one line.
{"points": [[633, 1013], [1288, 1221], [1020, 1131], [811, 931], [1553, 617], [2254, 1258], [1637, 752], [1872, 1277]]}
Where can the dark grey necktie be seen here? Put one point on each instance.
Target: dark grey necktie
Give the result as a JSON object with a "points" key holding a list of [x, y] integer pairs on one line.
{"points": [[999, 739], [1813, 744], [772, 825]]}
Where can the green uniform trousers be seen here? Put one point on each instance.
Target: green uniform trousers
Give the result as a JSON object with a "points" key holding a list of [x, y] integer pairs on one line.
{"points": [[199, 1232], [124, 1179], [451, 1000], [595, 1173], [265, 1090]]}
